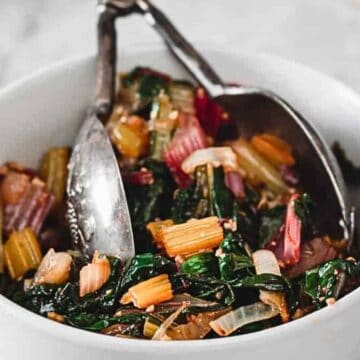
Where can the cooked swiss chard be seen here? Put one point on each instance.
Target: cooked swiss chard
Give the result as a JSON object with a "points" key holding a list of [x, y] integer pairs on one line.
{"points": [[224, 232]]}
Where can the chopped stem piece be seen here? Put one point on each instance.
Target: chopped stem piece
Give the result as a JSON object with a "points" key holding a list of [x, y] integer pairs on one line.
{"points": [[155, 227], [149, 292], [265, 262], [93, 276], [54, 268], [192, 236], [54, 172], [274, 149], [22, 253]]}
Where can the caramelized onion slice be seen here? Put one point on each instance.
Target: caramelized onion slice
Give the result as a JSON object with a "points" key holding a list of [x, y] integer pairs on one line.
{"points": [[228, 323], [265, 262], [54, 268], [217, 156], [93, 276]]}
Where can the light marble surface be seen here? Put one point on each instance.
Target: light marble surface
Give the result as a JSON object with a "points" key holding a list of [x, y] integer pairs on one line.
{"points": [[324, 34]]}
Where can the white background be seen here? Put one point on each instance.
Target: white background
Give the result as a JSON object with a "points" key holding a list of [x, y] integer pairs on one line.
{"points": [[324, 34]]}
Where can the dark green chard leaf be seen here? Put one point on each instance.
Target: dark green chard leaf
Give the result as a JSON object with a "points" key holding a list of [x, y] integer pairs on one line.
{"points": [[105, 299], [150, 86], [303, 207], [233, 243], [3, 283], [143, 267], [92, 312], [234, 261], [246, 217], [270, 224], [221, 198], [207, 195], [204, 287], [252, 197], [179, 208], [204, 263], [130, 78], [225, 292], [268, 282], [324, 281], [39, 299], [147, 202], [147, 81], [192, 202], [294, 296], [230, 265], [91, 322], [8, 287], [64, 299]]}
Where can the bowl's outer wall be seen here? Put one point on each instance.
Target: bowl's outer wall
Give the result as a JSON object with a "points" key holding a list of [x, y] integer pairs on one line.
{"points": [[47, 109]]}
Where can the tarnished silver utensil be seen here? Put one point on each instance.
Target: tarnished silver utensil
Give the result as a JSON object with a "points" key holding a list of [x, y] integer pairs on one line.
{"points": [[97, 209], [256, 110]]}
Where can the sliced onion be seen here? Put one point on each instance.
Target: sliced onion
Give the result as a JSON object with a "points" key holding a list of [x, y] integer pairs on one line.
{"points": [[265, 262], [54, 268], [160, 333], [217, 156], [183, 299], [93, 276], [236, 319], [197, 328]]}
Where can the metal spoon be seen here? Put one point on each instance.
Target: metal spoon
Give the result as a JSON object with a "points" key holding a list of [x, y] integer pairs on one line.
{"points": [[256, 110], [96, 206]]}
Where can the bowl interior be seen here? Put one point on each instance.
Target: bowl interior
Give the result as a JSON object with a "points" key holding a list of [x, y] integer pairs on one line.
{"points": [[46, 109]]}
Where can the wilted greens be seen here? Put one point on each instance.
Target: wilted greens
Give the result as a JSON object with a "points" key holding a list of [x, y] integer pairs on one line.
{"points": [[223, 243]]}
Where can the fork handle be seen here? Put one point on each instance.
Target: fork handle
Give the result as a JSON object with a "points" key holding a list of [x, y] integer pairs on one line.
{"points": [[182, 49], [106, 62]]}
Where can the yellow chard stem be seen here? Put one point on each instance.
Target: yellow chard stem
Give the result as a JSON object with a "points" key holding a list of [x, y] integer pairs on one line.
{"points": [[22, 253]]}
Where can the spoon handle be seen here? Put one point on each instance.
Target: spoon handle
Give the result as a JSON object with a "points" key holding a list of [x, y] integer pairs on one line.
{"points": [[182, 49], [106, 62]]}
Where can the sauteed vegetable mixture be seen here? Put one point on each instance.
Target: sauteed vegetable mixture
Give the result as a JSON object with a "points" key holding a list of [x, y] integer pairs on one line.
{"points": [[224, 235]]}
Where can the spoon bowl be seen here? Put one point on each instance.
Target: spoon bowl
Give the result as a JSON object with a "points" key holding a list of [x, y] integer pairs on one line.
{"points": [[97, 209], [256, 110]]}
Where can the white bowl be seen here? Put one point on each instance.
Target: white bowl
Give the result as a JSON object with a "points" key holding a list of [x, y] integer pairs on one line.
{"points": [[46, 109]]}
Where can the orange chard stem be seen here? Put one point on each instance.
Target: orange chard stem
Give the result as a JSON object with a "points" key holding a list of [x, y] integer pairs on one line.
{"points": [[149, 292], [192, 236]]}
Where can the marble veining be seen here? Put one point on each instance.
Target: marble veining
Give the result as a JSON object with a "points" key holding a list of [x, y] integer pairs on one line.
{"points": [[324, 34]]}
